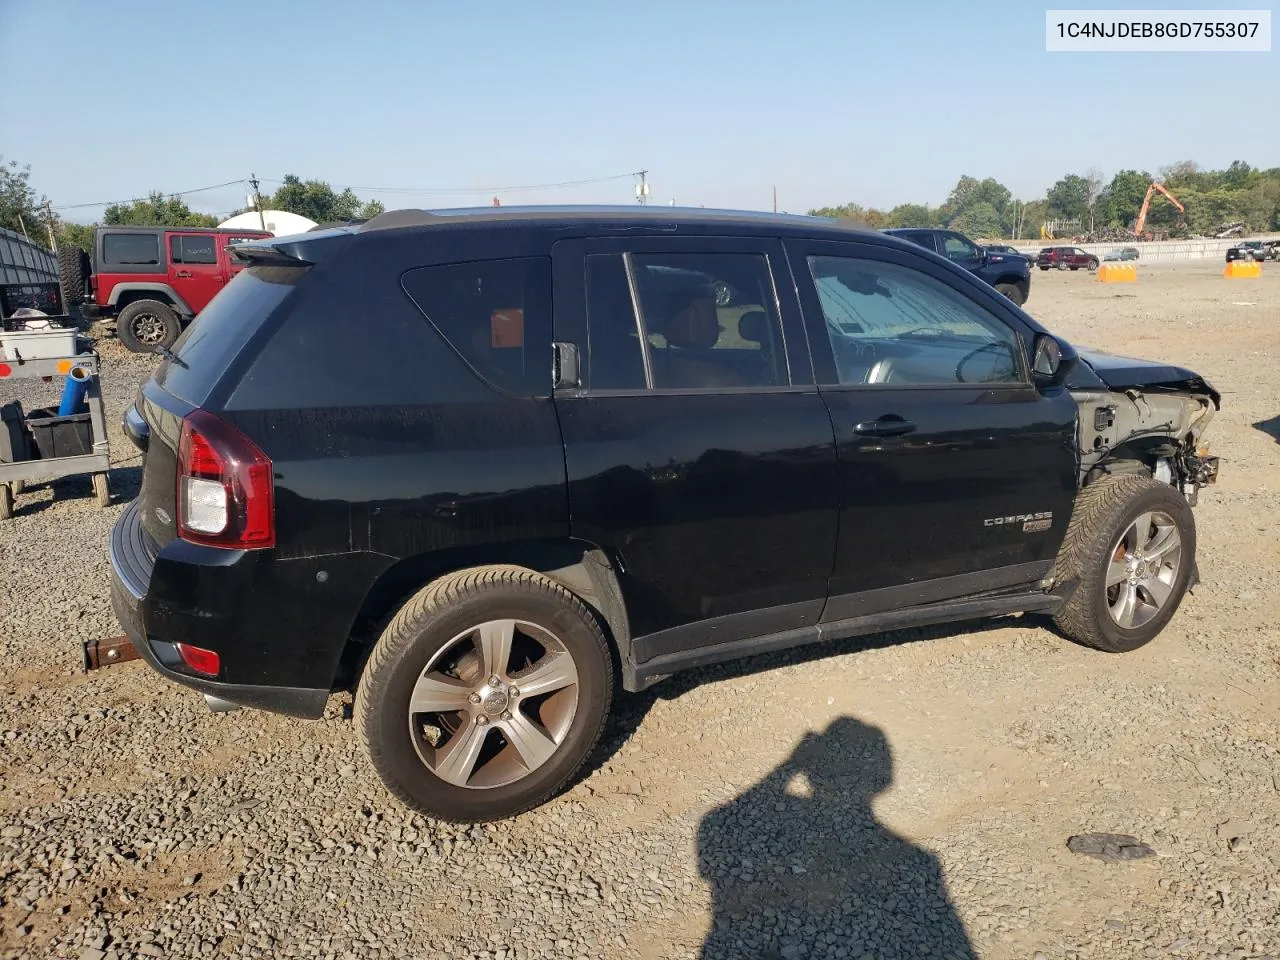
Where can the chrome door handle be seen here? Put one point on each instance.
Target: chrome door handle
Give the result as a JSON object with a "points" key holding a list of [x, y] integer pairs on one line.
{"points": [[884, 428]]}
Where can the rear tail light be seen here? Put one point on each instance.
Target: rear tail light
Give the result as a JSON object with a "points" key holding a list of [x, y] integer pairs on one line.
{"points": [[199, 659], [226, 495]]}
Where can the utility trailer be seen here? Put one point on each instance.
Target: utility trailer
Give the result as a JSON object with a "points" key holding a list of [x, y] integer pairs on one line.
{"points": [[83, 436]]}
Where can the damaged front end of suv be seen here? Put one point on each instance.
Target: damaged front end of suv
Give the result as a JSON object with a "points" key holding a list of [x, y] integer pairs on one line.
{"points": [[1145, 418]]}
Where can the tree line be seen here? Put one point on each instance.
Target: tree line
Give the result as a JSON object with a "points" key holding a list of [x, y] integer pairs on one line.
{"points": [[21, 207], [986, 209]]}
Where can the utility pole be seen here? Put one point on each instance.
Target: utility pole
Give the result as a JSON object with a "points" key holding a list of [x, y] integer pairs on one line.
{"points": [[642, 188], [775, 198], [257, 200], [53, 240], [23, 224]]}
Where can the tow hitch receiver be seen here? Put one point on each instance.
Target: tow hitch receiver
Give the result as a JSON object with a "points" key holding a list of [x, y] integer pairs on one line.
{"points": [[108, 652]]}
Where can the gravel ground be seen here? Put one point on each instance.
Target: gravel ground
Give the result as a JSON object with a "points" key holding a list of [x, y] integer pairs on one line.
{"points": [[875, 798]]}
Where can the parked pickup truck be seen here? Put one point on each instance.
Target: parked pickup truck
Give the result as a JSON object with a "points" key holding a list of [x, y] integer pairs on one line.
{"points": [[1007, 272], [152, 280], [1254, 250]]}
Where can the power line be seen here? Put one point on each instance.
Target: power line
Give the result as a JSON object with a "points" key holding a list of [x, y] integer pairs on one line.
{"points": [[179, 193], [452, 191], [482, 189]]}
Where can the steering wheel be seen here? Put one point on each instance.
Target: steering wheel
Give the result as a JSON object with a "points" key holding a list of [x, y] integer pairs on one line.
{"points": [[994, 347]]}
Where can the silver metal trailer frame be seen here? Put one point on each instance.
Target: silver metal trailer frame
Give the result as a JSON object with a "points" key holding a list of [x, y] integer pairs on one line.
{"points": [[13, 476]]}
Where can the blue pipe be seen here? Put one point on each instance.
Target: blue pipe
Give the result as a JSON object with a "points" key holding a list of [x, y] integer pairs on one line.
{"points": [[73, 391]]}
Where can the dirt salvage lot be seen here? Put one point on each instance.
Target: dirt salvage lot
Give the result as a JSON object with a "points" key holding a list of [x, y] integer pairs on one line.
{"points": [[823, 803]]}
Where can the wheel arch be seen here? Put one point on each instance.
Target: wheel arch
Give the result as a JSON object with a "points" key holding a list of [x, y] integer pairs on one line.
{"points": [[1013, 279], [123, 294], [584, 569], [1137, 457]]}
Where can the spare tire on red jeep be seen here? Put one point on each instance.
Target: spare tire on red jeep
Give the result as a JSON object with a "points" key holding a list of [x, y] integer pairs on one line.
{"points": [[73, 271]]}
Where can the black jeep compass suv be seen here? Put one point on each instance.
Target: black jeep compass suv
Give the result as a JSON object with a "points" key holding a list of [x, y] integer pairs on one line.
{"points": [[485, 466]]}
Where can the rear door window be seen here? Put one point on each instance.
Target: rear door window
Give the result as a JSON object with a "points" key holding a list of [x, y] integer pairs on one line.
{"points": [[923, 238], [193, 249], [709, 322], [496, 314]]}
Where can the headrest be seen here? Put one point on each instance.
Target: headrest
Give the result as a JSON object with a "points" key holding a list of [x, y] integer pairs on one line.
{"points": [[696, 327], [754, 326]]}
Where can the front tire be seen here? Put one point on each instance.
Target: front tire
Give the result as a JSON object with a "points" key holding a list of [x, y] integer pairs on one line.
{"points": [[1130, 547], [485, 694], [145, 325]]}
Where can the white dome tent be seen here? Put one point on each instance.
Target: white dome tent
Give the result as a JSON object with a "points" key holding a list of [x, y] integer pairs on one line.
{"points": [[280, 222]]}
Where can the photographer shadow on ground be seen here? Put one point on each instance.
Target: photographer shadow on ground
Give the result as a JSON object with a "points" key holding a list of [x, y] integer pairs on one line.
{"points": [[799, 867]]}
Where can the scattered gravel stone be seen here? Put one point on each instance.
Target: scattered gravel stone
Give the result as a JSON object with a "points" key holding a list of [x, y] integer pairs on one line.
{"points": [[1109, 847], [730, 813]]}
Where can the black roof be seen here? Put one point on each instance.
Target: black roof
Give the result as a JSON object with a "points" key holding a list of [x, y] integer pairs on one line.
{"points": [[615, 214], [315, 245]]}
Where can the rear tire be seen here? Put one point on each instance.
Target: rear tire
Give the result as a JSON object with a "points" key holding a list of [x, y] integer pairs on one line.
{"points": [[444, 649], [1012, 291], [1130, 547], [144, 325], [73, 270]]}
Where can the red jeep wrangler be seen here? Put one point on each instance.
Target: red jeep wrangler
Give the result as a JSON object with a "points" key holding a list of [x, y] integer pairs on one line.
{"points": [[152, 280]]}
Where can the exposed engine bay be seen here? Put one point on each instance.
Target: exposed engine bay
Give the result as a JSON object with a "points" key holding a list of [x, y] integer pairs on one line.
{"points": [[1137, 416]]}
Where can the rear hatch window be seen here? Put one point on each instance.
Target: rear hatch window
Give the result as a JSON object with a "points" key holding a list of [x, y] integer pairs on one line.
{"points": [[211, 342]]}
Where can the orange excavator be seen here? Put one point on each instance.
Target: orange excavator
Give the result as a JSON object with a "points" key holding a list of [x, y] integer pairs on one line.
{"points": [[1146, 205]]}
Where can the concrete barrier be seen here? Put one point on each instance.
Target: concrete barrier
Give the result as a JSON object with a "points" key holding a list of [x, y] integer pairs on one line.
{"points": [[1242, 270], [1118, 273], [1155, 251]]}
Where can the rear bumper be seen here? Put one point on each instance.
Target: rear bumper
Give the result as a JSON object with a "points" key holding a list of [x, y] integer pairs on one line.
{"points": [[132, 564]]}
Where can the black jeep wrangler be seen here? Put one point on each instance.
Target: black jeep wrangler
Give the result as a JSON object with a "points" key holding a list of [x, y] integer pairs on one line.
{"points": [[578, 449]]}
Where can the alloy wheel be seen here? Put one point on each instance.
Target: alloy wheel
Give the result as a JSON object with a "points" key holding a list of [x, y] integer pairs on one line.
{"points": [[494, 704], [1143, 569], [148, 329]]}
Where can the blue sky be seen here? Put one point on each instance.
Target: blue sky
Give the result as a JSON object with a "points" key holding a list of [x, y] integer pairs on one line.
{"points": [[830, 101]]}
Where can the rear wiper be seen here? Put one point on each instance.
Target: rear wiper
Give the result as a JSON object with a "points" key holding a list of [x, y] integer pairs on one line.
{"points": [[172, 357]]}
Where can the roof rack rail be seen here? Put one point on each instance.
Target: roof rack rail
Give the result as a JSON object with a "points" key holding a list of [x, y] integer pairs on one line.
{"points": [[400, 218]]}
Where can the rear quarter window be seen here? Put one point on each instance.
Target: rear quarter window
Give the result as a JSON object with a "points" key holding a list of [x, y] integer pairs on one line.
{"points": [[130, 249], [496, 314], [211, 342], [358, 336]]}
